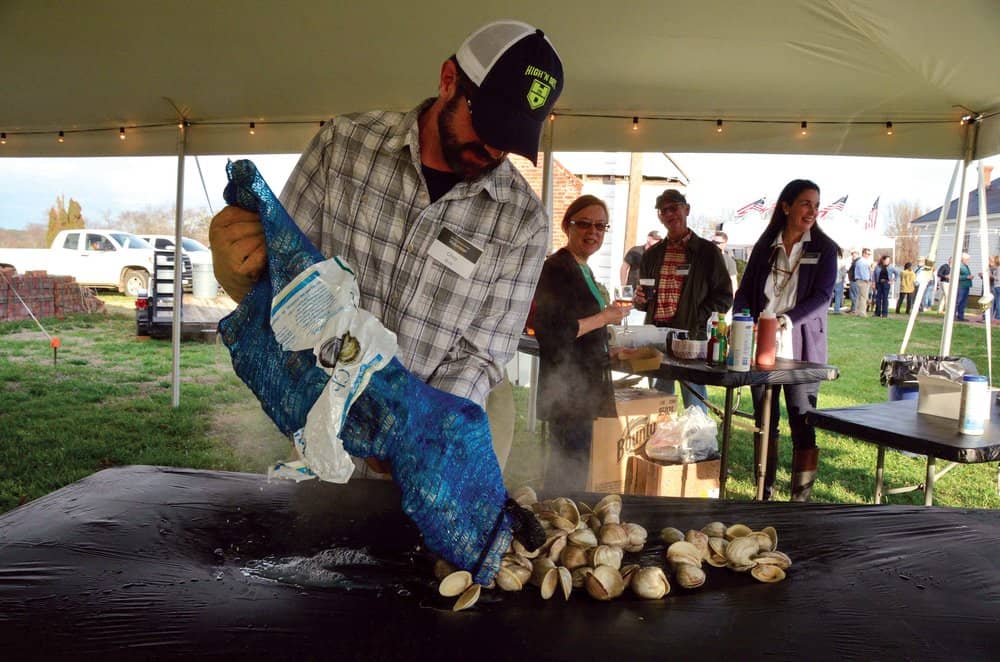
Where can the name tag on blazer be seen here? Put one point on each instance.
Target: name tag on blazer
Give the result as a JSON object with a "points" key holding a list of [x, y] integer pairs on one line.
{"points": [[810, 258], [683, 269]]}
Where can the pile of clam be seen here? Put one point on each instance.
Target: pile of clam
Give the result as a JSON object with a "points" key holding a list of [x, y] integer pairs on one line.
{"points": [[737, 547], [585, 548]]}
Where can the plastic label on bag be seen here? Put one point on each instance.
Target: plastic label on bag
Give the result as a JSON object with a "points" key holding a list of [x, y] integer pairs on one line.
{"points": [[318, 310]]}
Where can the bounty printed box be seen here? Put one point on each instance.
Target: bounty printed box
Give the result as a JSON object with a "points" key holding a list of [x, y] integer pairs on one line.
{"points": [[616, 438]]}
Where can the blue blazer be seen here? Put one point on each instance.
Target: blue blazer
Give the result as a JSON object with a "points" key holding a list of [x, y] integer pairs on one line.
{"points": [[815, 289]]}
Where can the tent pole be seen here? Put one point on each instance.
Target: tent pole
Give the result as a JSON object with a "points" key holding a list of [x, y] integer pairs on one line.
{"points": [[968, 149], [931, 259], [175, 335], [986, 299]]}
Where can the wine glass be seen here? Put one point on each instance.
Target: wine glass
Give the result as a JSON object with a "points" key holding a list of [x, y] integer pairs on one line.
{"points": [[625, 301]]}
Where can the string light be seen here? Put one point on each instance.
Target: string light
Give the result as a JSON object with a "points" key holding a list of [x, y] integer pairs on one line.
{"points": [[888, 128], [552, 117], [252, 127], [3, 138], [62, 137], [805, 127], [121, 133], [635, 123], [718, 126]]}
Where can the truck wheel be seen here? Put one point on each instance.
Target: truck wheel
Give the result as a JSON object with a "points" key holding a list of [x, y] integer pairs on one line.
{"points": [[134, 280]]}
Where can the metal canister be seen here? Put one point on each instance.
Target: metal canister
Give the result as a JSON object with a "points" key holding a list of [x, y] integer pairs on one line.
{"points": [[740, 343], [975, 408]]}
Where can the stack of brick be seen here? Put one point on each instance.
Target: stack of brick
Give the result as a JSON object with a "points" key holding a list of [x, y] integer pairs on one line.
{"points": [[46, 296]]}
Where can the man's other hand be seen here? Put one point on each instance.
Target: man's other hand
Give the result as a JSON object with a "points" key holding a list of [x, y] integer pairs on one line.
{"points": [[239, 255]]}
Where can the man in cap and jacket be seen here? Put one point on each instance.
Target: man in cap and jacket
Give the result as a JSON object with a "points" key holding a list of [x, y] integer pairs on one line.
{"points": [[691, 281]]}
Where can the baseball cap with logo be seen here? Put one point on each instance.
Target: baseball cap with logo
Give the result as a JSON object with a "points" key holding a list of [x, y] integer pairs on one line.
{"points": [[518, 77]]}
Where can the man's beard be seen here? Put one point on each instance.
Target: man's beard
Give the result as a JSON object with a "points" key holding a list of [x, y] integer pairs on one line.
{"points": [[455, 152]]}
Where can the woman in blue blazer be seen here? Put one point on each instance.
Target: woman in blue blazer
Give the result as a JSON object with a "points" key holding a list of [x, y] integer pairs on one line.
{"points": [[792, 272]]}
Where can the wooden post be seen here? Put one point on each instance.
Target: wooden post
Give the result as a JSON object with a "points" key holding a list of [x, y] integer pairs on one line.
{"points": [[632, 210]]}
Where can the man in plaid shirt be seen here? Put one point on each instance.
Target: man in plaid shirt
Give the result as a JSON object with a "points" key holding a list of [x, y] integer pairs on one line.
{"points": [[445, 236]]}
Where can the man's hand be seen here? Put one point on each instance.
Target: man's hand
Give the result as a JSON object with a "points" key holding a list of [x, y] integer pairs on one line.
{"points": [[239, 255]]}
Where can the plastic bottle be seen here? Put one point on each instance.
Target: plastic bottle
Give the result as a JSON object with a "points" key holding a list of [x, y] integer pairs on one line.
{"points": [[767, 339], [740, 343], [975, 408]]}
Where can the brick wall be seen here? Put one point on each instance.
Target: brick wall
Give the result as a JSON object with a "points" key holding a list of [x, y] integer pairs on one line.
{"points": [[45, 295], [566, 187]]}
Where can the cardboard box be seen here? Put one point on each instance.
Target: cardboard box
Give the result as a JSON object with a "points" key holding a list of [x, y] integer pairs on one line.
{"points": [[614, 439], [647, 477], [643, 358], [938, 396]]}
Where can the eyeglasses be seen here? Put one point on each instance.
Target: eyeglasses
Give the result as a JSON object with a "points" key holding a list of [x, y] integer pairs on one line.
{"points": [[669, 209], [586, 225]]}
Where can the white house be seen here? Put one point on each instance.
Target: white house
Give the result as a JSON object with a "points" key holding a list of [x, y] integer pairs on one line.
{"points": [[970, 242]]}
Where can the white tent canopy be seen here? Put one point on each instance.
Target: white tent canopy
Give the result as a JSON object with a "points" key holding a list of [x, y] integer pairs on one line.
{"points": [[845, 66]]}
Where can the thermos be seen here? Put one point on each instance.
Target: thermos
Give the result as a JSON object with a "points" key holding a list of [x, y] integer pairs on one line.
{"points": [[740, 343], [975, 408], [767, 339]]}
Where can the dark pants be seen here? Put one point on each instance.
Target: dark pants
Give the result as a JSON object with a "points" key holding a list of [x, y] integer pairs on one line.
{"points": [[568, 461], [908, 297], [963, 301], [882, 299], [799, 399]]}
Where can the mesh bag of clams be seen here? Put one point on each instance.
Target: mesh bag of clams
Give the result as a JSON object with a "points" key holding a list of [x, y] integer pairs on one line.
{"points": [[586, 551]]}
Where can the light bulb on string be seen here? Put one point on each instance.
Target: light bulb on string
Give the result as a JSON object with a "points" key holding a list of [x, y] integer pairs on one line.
{"points": [[62, 137], [552, 117], [3, 138], [121, 133], [805, 127], [253, 126], [888, 128], [635, 123], [718, 126]]}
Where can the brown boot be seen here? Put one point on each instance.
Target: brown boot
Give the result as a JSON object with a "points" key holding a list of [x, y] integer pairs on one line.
{"points": [[804, 464]]}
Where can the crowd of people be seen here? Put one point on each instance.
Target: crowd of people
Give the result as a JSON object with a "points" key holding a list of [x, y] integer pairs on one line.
{"points": [[869, 284]]}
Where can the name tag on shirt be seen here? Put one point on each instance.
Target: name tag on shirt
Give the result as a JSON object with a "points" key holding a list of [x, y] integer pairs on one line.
{"points": [[683, 269], [455, 253], [810, 258]]}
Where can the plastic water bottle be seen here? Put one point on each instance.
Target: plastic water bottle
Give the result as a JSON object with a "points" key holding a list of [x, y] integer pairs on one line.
{"points": [[740, 343]]}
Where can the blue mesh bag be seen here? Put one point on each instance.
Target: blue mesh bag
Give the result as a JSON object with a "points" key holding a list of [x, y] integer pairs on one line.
{"points": [[437, 444]]}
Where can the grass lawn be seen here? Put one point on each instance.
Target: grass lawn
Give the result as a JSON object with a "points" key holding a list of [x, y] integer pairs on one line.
{"points": [[107, 402]]}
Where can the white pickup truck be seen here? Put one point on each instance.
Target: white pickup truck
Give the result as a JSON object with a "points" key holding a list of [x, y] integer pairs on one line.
{"points": [[95, 258]]}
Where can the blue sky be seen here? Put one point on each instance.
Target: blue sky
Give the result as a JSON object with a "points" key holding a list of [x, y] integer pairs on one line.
{"points": [[720, 183]]}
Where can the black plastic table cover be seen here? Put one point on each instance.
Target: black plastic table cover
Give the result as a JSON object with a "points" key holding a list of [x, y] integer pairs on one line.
{"points": [[897, 424], [146, 562]]}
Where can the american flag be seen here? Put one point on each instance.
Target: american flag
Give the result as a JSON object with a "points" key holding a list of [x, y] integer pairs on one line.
{"points": [[872, 216], [836, 206], [757, 206]]}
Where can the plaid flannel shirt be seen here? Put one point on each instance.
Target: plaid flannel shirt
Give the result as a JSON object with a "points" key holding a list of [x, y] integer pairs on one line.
{"points": [[358, 192]]}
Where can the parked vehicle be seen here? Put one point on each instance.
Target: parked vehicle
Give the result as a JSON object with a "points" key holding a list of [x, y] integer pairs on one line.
{"points": [[194, 249], [106, 259]]}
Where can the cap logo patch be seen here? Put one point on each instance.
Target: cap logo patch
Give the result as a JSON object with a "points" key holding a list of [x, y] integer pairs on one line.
{"points": [[540, 88]]}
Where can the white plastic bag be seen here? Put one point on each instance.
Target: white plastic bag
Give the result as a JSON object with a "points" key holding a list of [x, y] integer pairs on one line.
{"points": [[690, 437]]}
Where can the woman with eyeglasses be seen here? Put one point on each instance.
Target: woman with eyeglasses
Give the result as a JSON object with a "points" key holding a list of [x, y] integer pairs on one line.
{"points": [[571, 313], [791, 272]]}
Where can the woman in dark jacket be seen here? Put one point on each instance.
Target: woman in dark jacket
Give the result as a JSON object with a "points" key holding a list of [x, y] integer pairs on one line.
{"points": [[791, 272], [570, 319]]}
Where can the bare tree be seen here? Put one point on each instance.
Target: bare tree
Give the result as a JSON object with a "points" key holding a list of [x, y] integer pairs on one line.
{"points": [[901, 213]]}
